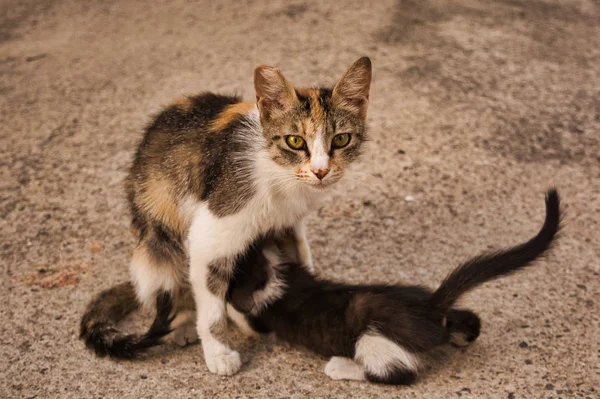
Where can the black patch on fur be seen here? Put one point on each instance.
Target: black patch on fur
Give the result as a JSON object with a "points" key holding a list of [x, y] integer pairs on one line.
{"points": [[396, 376], [104, 338], [305, 104], [463, 322], [325, 99], [164, 246], [204, 108]]}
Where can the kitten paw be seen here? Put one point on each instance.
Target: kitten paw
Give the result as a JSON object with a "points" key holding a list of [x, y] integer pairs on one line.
{"points": [[185, 334], [224, 363], [464, 327], [343, 368]]}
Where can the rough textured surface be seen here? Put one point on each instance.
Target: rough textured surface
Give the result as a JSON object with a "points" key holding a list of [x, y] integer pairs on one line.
{"points": [[477, 107]]}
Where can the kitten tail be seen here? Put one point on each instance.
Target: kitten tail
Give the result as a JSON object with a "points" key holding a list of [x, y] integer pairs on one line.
{"points": [[490, 266], [98, 325]]}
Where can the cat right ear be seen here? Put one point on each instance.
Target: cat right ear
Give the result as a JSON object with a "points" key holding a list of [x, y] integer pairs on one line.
{"points": [[274, 94]]}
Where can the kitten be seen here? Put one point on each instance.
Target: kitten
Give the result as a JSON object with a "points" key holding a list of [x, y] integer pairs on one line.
{"points": [[380, 333], [211, 175]]}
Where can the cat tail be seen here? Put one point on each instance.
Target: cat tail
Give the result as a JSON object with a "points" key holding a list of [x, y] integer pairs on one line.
{"points": [[98, 324], [490, 266]]}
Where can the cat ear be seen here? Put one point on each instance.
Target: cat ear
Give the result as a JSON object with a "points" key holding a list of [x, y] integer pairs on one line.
{"points": [[274, 94], [352, 90]]}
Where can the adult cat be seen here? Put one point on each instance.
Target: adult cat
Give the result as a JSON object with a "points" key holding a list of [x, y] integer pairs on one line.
{"points": [[210, 176]]}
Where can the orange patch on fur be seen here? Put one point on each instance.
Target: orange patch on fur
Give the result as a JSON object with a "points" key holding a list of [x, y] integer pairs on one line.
{"points": [[229, 114], [184, 103], [317, 113], [157, 200]]}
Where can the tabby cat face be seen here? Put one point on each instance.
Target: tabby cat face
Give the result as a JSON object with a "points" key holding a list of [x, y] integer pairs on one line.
{"points": [[316, 133]]}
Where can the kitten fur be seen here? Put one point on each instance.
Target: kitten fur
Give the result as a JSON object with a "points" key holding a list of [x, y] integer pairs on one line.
{"points": [[211, 175], [380, 333]]}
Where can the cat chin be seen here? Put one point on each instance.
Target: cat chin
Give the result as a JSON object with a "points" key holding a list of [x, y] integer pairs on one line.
{"points": [[320, 186]]}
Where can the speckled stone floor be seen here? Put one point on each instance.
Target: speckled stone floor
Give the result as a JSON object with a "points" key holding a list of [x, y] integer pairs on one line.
{"points": [[477, 107]]}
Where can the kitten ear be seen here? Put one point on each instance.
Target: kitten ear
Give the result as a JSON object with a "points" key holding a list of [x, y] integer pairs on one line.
{"points": [[352, 90], [274, 94]]}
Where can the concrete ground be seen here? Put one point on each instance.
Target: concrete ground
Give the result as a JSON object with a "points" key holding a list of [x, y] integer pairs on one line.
{"points": [[477, 107]]}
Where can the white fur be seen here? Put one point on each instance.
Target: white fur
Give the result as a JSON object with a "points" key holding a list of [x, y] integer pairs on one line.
{"points": [[148, 277], [303, 247], [319, 159], [275, 286], [343, 368], [279, 201], [380, 356]]}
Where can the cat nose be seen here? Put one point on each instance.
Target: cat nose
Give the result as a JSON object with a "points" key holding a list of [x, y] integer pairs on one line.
{"points": [[320, 173]]}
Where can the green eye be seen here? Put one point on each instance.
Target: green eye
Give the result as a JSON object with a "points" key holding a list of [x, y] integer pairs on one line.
{"points": [[341, 140], [295, 142]]}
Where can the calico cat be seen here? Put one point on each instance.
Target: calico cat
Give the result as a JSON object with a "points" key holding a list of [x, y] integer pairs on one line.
{"points": [[381, 333], [211, 175]]}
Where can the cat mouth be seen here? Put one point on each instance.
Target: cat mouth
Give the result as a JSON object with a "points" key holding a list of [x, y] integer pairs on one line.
{"points": [[320, 186]]}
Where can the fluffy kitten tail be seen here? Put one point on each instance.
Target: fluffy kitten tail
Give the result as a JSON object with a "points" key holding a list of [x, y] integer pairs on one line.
{"points": [[98, 325], [490, 266]]}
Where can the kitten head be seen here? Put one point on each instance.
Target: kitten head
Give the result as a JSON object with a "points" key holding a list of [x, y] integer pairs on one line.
{"points": [[316, 133]]}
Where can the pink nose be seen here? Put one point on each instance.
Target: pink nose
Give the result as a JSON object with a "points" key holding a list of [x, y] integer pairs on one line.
{"points": [[320, 173]]}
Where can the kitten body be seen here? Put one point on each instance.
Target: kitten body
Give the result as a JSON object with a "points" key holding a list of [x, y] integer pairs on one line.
{"points": [[381, 333], [211, 175]]}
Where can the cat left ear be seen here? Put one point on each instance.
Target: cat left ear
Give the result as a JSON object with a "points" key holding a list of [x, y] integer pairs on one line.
{"points": [[352, 90], [274, 94]]}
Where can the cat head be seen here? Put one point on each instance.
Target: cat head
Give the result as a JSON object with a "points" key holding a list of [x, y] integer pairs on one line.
{"points": [[316, 133]]}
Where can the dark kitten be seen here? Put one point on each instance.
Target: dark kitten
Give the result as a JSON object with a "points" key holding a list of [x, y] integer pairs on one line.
{"points": [[376, 332]]}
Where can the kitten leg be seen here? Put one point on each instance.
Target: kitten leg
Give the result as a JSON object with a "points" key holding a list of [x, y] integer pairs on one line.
{"points": [[303, 246], [343, 368], [463, 326], [385, 361]]}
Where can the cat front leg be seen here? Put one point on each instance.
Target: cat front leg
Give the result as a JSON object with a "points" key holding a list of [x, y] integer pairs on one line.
{"points": [[209, 281], [213, 244], [300, 234]]}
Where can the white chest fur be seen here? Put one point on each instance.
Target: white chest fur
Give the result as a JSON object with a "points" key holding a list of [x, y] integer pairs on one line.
{"points": [[279, 201]]}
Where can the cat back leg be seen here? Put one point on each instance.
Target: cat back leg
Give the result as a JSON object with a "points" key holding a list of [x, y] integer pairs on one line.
{"points": [[343, 368], [463, 327], [384, 361]]}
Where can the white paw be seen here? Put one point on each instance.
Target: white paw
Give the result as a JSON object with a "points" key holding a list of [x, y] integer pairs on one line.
{"points": [[185, 334], [223, 363], [343, 368]]}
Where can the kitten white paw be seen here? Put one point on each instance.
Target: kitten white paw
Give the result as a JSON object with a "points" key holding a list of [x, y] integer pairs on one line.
{"points": [[185, 334], [223, 362], [343, 368]]}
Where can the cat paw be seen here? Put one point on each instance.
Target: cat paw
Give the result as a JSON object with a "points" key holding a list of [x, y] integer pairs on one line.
{"points": [[185, 334], [224, 363], [343, 368], [464, 327]]}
